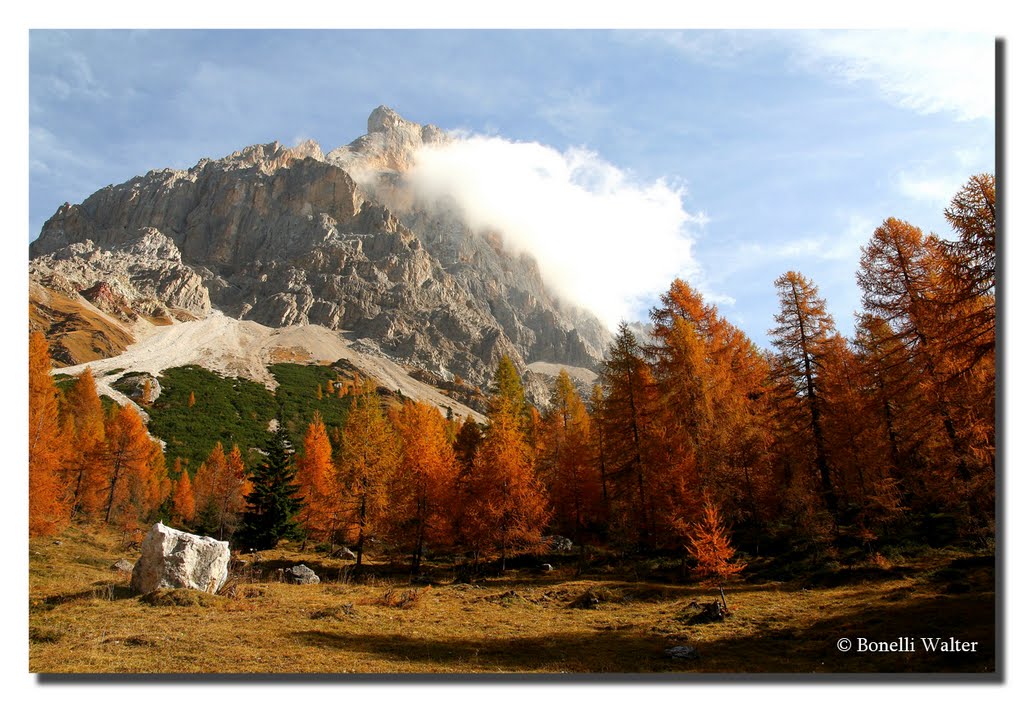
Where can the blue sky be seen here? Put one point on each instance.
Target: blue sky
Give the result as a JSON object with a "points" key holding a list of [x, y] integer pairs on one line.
{"points": [[786, 149]]}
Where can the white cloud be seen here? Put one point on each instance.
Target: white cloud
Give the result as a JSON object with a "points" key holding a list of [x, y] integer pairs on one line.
{"points": [[938, 189], [602, 239], [923, 71], [830, 246]]}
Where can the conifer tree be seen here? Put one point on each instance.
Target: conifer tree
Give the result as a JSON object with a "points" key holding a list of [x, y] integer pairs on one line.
{"points": [[183, 502], [467, 443], [86, 467], [633, 443], [316, 478], [710, 546], [566, 463], [220, 488], [370, 456], [273, 504], [49, 508], [507, 508], [712, 380], [802, 339], [127, 476], [422, 496], [597, 413]]}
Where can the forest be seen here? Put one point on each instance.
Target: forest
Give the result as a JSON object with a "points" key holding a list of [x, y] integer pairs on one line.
{"points": [[695, 449], [868, 437]]}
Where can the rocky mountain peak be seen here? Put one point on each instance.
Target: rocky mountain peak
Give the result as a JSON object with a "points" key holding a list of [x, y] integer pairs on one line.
{"points": [[284, 236], [384, 119], [390, 144], [269, 158]]}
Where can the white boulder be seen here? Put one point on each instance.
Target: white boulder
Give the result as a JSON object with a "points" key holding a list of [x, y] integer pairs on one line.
{"points": [[177, 559]]}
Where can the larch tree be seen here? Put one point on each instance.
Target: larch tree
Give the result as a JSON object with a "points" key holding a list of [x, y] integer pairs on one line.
{"points": [[369, 459], [49, 507], [968, 302], [599, 446], [232, 489], [712, 381], [183, 501], [901, 280], [505, 508], [85, 471], [566, 463], [467, 444], [316, 478], [634, 442], [220, 487], [710, 546], [423, 488], [972, 256], [126, 491], [204, 485], [802, 341]]}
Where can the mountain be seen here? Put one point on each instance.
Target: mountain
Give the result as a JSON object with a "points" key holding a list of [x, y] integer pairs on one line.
{"points": [[289, 236]]}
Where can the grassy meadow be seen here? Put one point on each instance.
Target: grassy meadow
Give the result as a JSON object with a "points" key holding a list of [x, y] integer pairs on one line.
{"points": [[84, 619]]}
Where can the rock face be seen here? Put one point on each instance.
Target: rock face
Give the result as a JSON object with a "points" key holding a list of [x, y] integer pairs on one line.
{"points": [[285, 236], [177, 559]]}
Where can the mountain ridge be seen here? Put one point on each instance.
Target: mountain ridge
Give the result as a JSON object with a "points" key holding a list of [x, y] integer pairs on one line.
{"points": [[286, 236]]}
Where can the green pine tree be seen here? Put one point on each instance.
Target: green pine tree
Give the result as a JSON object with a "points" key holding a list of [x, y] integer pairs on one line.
{"points": [[272, 506]]}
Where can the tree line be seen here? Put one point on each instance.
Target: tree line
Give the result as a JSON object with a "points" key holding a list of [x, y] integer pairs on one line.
{"points": [[694, 426]]}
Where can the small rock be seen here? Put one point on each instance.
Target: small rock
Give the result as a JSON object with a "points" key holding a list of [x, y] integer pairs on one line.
{"points": [[57, 542], [301, 575], [547, 567], [559, 544], [123, 565], [344, 552], [681, 652]]}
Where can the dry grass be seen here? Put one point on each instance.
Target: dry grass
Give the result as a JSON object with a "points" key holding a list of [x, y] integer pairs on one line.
{"points": [[83, 619], [77, 332]]}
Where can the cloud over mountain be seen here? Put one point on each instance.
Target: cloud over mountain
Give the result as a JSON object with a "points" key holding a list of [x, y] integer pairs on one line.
{"points": [[602, 239]]}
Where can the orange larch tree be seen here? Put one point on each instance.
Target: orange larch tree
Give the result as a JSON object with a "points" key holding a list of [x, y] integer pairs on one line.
{"points": [[422, 493], [183, 502], [220, 488], [370, 454], [899, 276], [712, 381], [85, 472], [802, 340], [710, 546], [566, 463], [317, 480], [126, 490], [49, 506], [639, 468], [508, 509]]}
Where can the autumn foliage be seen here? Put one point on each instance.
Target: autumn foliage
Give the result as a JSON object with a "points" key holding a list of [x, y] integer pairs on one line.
{"points": [[689, 426], [317, 481], [49, 510], [710, 547]]}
